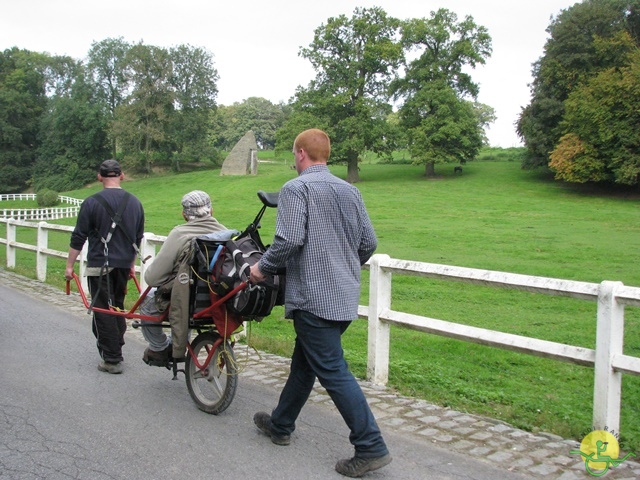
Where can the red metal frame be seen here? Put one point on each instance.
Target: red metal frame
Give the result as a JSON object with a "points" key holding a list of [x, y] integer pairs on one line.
{"points": [[216, 302], [225, 326], [210, 353], [112, 311]]}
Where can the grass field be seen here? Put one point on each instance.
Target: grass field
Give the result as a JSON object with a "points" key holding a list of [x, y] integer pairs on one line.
{"points": [[494, 216]]}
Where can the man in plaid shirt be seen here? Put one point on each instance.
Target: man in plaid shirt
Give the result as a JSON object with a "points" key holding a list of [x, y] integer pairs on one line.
{"points": [[323, 237]]}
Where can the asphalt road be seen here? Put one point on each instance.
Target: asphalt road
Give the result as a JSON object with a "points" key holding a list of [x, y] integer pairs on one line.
{"points": [[61, 418]]}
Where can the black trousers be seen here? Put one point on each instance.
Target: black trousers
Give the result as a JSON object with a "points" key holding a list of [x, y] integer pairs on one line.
{"points": [[109, 329]]}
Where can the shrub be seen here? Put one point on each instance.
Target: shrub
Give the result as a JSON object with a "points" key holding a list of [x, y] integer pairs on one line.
{"points": [[47, 198]]}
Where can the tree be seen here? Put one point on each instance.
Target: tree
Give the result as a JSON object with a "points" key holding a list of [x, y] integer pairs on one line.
{"points": [[73, 133], [145, 103], [22, 102], [143, 121], [573, 54], [354, 60], [194, 82], [601, 142], [485, 116], [111, 74], [256, 114], [443, 126], [298, 121]]}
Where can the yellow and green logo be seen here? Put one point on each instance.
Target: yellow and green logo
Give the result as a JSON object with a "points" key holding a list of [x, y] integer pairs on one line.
{"points": [[600, 451]]}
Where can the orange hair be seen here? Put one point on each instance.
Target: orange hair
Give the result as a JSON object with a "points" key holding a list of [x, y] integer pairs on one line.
{"points": [[315, 142]]}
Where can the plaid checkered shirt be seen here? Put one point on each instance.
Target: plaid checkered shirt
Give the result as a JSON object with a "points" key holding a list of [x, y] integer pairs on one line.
{"points": [[323, 236]]}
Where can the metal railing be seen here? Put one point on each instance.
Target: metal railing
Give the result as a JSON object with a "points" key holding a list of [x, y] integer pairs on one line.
{"points": [[607, 358]]}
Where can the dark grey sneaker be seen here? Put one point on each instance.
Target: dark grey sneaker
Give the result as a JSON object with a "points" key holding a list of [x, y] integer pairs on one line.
{"points": [[358, 466], [263, 422], [158, 359], [110, 367]]}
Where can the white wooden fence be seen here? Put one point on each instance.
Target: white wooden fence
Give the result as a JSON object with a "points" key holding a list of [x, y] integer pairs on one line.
{"points": [[608, 359], [148, 247], [51, 213]]}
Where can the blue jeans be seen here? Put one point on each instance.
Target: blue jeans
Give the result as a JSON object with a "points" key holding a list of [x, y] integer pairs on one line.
{"points": [[318, 353]]}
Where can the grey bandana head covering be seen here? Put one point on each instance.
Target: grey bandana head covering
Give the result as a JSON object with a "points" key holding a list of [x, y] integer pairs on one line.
{"points": [[196, 204]]}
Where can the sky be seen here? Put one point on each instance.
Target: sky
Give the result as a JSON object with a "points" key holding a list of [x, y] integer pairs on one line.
{"points": [[255, 43]]}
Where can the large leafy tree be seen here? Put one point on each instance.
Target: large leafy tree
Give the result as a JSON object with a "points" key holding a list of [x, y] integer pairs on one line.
{"points": [[485, 116], [602, 139], [573, 54], [22, 103], [194, 82], [441, 121], [297, 122], [107, 61], [144, 103], [142, 123], [73, 131], [256, 114], [354, 60], [441, 128], [159, 100]]}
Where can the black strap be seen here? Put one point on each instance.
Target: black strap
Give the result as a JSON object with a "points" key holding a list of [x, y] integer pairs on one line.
{"points": [[115, 217], [115, 221]]}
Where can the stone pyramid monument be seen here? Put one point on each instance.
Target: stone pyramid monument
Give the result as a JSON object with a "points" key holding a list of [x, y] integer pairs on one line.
{"points": [[243, 158]]}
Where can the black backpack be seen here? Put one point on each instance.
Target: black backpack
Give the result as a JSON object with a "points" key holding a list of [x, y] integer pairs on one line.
{"points": [[232, 268]]}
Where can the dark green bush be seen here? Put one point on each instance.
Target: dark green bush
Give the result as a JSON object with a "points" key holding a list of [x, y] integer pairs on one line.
{"points": [[47, 198]]}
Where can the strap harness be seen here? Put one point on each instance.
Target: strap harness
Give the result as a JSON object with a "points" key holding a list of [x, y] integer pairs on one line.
{"points": [[116, 218]]}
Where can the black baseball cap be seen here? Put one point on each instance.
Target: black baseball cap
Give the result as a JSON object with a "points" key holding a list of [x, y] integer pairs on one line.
{"points": [[110, 168]]}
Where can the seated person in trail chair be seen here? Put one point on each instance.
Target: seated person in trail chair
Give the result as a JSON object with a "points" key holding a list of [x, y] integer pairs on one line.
{"points": [[170, 272]]}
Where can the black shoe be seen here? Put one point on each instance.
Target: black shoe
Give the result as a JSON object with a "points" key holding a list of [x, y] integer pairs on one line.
{"points": [[358, 466], [263, 422], [157, 359]]}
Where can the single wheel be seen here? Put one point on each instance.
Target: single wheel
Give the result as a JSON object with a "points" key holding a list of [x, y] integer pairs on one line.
{"points": [[213, 387]]}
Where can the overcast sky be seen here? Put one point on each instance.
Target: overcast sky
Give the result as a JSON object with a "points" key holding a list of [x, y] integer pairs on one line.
{"points": [[255, 43]]}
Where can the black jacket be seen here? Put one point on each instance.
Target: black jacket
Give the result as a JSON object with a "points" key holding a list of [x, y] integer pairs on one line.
{"points": [[94, 223]]}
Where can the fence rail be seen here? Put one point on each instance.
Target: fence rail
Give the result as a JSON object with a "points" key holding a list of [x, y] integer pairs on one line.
{"points": [[607, 358], [148, 247], [51, 213]]}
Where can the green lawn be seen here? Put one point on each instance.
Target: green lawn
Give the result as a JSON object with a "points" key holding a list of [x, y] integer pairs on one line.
{"points": [[494, 216]]}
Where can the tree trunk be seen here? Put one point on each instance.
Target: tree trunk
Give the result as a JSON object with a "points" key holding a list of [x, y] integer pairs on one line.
{"points": [[353, 171], [430, 169], [147, 154]]}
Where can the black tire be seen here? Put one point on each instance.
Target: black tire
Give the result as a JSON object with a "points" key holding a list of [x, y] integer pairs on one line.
{"points": [[214, 387]]}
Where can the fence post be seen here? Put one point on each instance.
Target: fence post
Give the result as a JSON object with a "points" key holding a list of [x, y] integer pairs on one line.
{"points": [[42, 243], [378, 334], [609, 343], [82, 267], [253, 164], [11, 239], [146, 249]]}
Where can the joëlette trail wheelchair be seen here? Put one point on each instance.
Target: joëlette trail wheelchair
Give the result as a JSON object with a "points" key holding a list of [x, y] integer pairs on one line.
{"points": [[210, 366]]}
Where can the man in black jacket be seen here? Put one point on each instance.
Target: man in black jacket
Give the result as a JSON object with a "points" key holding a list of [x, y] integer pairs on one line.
{"points": [[110, 259]]}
